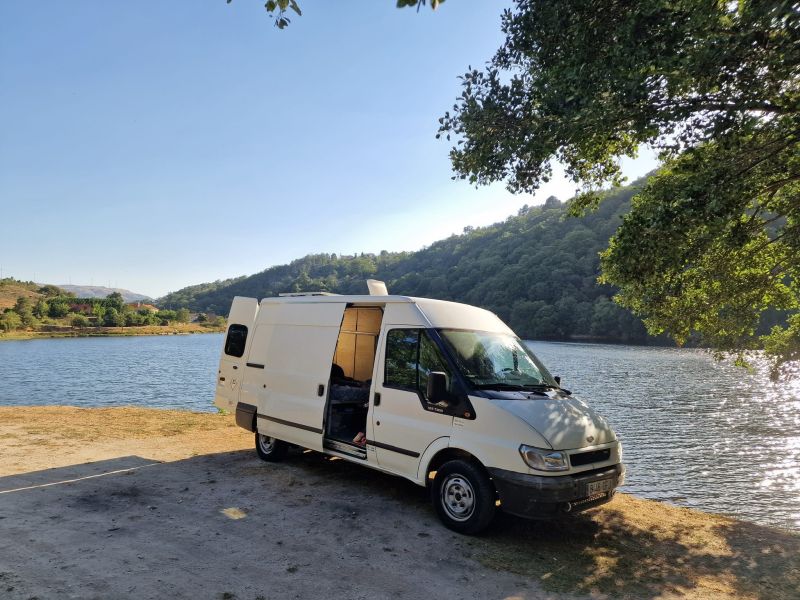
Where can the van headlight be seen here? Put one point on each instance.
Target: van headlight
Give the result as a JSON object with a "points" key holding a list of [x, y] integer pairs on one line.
{"points": [[544, 460]]}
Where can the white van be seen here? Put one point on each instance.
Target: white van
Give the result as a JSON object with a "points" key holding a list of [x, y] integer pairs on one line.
{"points": [[441, 393]]}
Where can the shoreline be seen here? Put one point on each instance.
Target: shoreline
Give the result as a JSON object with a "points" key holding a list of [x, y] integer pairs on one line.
{"points": [[630, 547], [143, 330]]}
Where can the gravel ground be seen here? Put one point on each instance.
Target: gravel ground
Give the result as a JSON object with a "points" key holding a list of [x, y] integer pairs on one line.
{"points": [[162, 504]]}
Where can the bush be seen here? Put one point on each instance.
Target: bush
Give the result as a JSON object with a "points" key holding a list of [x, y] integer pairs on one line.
{"points": [[41, 309], [58, 309], [135, 318], [113, 318], [165, 316], [79, 321], [9, 321]]}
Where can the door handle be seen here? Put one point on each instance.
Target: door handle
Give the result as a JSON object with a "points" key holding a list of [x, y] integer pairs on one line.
{"points": [[377, 399], [320, 390]]}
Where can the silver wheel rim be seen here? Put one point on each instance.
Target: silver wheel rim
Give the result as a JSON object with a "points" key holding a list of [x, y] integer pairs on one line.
{"points": [[458, 497], [266, 443]]}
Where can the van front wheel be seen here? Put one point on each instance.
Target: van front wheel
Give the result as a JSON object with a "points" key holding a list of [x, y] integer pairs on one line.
{"points": [[463, 496], [270, 449]]}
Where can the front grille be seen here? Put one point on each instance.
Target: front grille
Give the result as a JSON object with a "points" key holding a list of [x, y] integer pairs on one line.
{"points": [[587, 458]]}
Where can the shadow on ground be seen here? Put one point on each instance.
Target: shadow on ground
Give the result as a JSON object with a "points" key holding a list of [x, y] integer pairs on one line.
{"points": [[229, 526]]}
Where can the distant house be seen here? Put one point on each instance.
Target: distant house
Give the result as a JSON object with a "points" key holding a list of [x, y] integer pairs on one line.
{"points": [[81, 309], [137, 306]]}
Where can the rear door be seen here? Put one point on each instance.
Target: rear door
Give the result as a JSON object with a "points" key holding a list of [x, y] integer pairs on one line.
{"points": [[234, 350], [297, 370]]}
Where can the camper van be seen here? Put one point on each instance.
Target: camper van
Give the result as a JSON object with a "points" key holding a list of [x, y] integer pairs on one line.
{"points": [[441, 393]]}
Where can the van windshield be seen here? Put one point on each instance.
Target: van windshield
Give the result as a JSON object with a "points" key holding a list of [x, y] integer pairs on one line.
{"points": [[496, 361]]}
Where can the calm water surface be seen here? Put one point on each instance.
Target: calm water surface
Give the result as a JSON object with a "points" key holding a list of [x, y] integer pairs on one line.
{"points": [[176, 371], [695, 432]]}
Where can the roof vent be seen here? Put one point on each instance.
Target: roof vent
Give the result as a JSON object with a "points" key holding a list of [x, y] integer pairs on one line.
{"points": [[377, 288]]}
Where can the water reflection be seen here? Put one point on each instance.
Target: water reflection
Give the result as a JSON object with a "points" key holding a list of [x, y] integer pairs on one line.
{"points": [[696, 432]]}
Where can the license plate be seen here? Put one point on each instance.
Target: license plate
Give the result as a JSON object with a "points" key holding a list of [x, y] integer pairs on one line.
{"points": [[597, 487]]}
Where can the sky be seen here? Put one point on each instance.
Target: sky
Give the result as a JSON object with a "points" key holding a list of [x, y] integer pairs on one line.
{"points": [[153, 145]]}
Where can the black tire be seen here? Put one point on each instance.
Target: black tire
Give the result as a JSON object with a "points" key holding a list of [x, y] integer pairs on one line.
{"points": [[463, 496], [270, 449]]}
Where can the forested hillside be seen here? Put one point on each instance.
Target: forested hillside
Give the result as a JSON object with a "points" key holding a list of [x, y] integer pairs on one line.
{"points": [[537, 270]]}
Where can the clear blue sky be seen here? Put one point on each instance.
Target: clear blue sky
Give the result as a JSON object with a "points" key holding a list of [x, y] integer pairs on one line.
{"points": [[154, 145]]}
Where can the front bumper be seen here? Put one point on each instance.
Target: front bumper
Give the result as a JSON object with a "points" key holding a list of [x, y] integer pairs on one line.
{"points": [[537, 497]]}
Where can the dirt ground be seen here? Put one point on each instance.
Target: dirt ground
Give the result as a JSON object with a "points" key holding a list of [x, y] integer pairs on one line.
{"points": [[137, 503]]}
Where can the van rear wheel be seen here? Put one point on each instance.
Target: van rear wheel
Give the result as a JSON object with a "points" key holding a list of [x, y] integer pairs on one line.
{"points": [[463, 496], [270, 449]]}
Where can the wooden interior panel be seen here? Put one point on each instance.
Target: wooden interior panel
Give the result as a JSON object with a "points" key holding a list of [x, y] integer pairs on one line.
{"points": [[364, 356], [355, 349], [369, 320], [345, 355], [350, 319]]}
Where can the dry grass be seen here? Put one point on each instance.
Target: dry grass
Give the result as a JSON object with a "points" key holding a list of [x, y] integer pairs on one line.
{"points": [[9, 292], [174, 329], [67, 425]]}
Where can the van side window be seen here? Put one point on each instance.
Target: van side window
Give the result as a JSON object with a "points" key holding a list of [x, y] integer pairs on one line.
{"points": [[401, 358], [410, 357], [234, 343]]}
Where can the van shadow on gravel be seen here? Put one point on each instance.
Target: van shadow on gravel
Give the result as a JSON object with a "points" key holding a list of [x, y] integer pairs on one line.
{"points": [[230, 524]]}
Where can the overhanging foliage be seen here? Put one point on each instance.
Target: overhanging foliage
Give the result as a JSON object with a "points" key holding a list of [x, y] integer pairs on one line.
{"points": [[713, 240]]}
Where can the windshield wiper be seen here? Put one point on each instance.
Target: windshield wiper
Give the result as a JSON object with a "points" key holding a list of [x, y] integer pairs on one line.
{"points": [[531, 388], [499, 386], [541, 386], [547, 386]]}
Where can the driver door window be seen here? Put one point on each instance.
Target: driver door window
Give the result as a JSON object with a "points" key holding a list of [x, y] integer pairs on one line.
{"points": [[411, 355]]}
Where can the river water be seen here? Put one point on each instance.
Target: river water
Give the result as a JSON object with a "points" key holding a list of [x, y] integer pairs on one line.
{"points": [[695, 432]]}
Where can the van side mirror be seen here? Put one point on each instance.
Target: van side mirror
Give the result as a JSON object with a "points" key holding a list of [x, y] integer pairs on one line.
{"points": [[558, 379], [437, 387]]}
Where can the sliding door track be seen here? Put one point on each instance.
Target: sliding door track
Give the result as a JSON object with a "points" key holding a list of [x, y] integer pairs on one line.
{"points": [[345, 448]]}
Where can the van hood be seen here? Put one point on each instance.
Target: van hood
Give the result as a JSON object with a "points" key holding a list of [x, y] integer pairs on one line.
{"points": [[565, 422]]}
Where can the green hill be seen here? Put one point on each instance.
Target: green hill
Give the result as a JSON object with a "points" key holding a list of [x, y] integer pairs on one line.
{"points": [[537, 270]]}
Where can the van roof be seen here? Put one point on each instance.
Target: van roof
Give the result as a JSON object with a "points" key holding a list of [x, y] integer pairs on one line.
{"points": [[440, 313], [337, 298]]}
